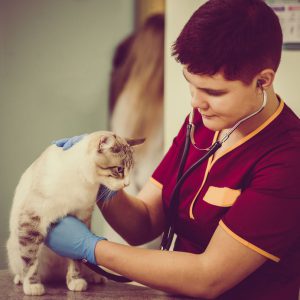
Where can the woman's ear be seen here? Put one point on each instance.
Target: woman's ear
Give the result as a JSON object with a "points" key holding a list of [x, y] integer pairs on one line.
{"points": [[265, 78], [135, 142]]}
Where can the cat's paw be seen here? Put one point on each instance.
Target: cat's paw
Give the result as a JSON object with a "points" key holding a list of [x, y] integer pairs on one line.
{"points": [[35, 289], [95, 278], [77, 285], [18, 279]]}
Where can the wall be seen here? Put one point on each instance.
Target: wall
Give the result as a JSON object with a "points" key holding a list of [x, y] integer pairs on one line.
{"points": [[287, 80], [177, 97], [55, 59]]}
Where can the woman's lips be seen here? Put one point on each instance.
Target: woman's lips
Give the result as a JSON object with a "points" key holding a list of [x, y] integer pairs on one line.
{"points": [[206, 116]]}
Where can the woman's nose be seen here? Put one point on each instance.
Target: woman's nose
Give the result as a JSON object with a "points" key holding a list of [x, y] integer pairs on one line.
{"points": [[198, 101]]}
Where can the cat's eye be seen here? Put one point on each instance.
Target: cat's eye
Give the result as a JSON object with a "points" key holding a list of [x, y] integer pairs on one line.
{"points": [[120, 169], [118, 172]]}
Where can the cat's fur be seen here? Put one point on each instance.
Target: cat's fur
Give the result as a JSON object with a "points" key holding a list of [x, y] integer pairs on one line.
{"points": [[57, 184]]}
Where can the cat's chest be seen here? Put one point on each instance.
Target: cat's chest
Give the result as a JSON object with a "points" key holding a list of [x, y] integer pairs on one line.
{"points": [[82, 202], [82, 197], [74, 199]]}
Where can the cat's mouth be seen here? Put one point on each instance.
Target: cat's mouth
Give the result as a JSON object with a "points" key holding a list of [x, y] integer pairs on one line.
{"points": [[102, 168]]}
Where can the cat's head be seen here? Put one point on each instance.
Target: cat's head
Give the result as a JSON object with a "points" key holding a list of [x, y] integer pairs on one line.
{"points": [[113, 158]]}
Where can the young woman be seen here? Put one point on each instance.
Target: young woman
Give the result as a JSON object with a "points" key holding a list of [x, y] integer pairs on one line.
{"points": [[237, 222]]}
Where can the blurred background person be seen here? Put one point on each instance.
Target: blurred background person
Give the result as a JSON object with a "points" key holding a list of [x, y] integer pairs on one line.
{"points": [[136, 95]]}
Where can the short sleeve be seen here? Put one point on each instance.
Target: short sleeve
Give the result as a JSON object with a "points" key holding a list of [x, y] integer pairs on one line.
{"points": [[169, 163], [266, 216]]}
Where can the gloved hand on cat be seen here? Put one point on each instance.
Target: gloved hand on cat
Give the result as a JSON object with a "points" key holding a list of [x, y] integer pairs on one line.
{"points": [[71, 238], [104, 193], [67, 143]]}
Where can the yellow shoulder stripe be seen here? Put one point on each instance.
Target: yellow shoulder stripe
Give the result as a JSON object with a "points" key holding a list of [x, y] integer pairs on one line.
{"points": [[156, 183], [247, 244], [254, 132]]}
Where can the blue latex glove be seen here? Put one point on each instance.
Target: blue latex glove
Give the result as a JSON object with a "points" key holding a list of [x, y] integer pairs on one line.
{"points": [[67, 143], [105, 194], [71, 238]]}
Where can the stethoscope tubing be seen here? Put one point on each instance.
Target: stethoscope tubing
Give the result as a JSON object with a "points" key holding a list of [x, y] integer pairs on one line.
{"points": [[111, 276], [174, 202], [169, 230], [169, 233]]}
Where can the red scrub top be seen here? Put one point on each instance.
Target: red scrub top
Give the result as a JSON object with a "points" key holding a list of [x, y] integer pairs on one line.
{"points": [[251, 191]]}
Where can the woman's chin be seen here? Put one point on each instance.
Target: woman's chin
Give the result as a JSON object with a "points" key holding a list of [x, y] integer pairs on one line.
{"points": [[212, 124]]}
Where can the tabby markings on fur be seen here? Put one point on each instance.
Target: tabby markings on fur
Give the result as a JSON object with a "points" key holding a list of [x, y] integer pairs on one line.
{"points": [[57, 184]]}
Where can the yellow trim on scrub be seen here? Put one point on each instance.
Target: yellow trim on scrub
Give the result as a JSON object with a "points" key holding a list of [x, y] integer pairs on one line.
{"points": [[204, 179], [221, 196], [254, 132], [156, 183], [247, 244]]}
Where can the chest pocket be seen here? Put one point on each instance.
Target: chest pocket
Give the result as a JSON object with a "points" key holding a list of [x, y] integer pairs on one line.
{"points": [[224, 197]]}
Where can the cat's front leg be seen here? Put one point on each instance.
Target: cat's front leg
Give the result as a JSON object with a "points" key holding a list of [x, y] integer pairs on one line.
{"points": [[75, 281], [30, 240], [88, 274]]}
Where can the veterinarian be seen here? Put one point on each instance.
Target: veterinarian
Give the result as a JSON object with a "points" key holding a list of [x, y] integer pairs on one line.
{"points": [[237, 216]]}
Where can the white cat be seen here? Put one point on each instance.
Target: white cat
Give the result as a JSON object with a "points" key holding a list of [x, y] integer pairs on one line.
{"points": [[57, 184]]}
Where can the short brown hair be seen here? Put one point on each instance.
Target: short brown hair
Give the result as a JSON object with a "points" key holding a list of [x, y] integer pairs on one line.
{"points": [[236, 37]]}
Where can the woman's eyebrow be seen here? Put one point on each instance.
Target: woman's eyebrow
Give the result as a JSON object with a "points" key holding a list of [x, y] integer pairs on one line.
{"points": [[213, 91], [221, 91]]}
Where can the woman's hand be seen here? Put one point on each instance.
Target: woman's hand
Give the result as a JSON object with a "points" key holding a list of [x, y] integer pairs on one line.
{"points": [[71, 238], [67, 143]]}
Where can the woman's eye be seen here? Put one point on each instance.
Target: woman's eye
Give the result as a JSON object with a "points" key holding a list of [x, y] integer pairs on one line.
{"points": [[214, 93]]}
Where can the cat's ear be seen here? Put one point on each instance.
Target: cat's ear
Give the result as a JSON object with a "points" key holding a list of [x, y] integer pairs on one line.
{"points": [[105, 142], [135, 142]]}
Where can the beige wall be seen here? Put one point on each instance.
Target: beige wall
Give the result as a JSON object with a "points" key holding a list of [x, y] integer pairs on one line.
{"points": [[55, 59], [146, 8], [287, 80], [177, 97]]}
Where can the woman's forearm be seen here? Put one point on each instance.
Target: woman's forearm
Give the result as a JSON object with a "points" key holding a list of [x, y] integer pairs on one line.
{"points": [[128, 216], [173, 272]]}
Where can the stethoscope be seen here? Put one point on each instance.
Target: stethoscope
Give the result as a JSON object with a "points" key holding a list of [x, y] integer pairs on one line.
{"points": [[169, 232]]}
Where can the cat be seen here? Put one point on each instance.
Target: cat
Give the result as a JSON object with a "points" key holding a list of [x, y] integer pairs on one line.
{"points": [[57, 184]]}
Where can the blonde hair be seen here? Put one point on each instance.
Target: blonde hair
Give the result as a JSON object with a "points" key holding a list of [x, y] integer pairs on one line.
{"points": [[139, 101]]}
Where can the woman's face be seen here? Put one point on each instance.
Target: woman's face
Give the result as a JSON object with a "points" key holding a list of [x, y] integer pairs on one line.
{"points": [[222, 103]]}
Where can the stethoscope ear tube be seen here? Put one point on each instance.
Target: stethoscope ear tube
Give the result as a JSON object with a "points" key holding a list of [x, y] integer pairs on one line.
{"points": [[167, 232], [99, 270], [212, 150]]}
